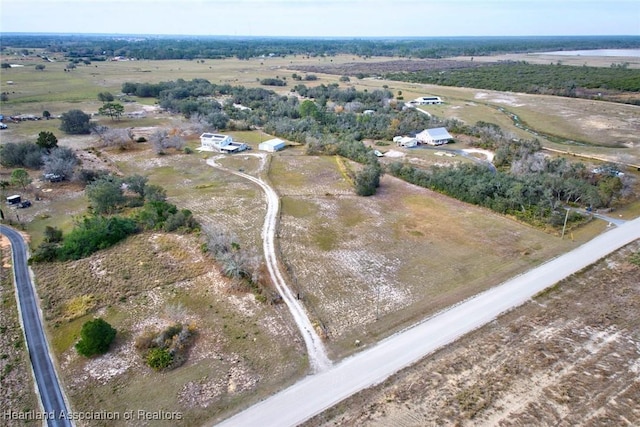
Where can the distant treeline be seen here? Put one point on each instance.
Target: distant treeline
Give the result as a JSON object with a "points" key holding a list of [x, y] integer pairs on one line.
{"points": [[549, 79], [174, 47]]}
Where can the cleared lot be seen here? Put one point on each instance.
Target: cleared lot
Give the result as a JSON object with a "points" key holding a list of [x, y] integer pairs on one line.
{"points": [[571, 357]]}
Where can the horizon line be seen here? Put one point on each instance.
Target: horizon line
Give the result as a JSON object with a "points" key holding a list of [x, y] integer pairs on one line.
{"points": [[71, 33]]}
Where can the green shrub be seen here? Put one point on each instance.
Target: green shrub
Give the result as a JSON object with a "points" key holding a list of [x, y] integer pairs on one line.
{"points": [[95, 233], [95, 337], [46, 252], [159, 359], [166, 349]]}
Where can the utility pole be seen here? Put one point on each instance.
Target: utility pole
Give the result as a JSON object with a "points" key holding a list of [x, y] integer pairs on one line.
{"points": [[565, 223]]}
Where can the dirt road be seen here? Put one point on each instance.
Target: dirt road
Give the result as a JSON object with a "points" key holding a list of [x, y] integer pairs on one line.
{"points": [[317, 353]]}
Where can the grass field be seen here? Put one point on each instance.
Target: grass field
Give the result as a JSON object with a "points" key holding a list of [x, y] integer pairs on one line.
{"points": [[368, 266]]}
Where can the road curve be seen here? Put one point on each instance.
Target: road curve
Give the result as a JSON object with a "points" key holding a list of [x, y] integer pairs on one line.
{"points": [[47, 384], [316, 351], [314, 394]]}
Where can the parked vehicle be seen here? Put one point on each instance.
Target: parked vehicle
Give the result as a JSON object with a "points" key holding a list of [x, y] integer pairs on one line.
{"points": [[24, 204], [52, 177]]}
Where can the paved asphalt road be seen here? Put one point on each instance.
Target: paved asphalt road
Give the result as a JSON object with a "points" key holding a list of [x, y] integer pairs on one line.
{"points": [[316, 393], [46, 380]]}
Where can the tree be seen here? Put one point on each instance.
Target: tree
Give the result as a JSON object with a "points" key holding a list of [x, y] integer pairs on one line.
{"points": [[308, 108], [40, 67], [5, 65], [46, 114], [20, 177], [47, 140], [137, 184], [105, 97], [52, 234], [75, 122], [21, 154], [121, 138], [112, 109], [161, 140], [368, 180], [105, 194], [95, 337], [154, 193]]}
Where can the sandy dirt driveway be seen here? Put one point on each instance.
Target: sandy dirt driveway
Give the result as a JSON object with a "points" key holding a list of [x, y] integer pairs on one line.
{"points": [[318, 358]]}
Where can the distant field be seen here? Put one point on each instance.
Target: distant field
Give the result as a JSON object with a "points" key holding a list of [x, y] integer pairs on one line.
{"points": [[596, 123]]}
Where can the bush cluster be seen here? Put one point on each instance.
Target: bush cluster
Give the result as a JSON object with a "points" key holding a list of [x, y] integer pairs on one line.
{"points": [[166, 349]]}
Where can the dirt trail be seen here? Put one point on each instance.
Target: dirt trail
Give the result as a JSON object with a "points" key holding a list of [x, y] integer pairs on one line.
{"points": [[317, 353]]}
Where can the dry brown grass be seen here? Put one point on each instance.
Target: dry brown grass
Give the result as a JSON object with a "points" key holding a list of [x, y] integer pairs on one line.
{"points": [[400, 255], [570, 357], [151, 281]]}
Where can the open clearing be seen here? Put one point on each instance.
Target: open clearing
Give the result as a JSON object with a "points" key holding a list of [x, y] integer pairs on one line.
{"points": [[569, 357], [368, 266]]}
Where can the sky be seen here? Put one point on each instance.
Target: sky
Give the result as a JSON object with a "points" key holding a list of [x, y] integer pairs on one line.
{"points": [[325, 18]]}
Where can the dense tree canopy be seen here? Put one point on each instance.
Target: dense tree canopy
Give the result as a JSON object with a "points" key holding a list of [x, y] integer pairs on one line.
{"points": [[100, 47], [75, 122], [105, 194], [95, 337]]}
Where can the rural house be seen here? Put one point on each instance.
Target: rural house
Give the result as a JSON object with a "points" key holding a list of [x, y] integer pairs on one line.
{"points": [[435, 136], [220, 143], [272, 145], [427, 100]]}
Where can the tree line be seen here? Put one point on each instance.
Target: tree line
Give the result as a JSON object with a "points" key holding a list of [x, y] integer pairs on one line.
{"points": [[101, 47], [562, 80]]}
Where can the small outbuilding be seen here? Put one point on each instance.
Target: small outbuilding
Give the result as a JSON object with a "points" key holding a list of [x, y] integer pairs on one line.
{"points": [[405, 141], [14, 200], [272, 145]]}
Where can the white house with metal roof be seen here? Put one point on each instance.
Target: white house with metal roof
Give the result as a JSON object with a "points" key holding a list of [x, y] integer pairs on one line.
{"points": [[435, 136], [427, 100], [220, 143]]}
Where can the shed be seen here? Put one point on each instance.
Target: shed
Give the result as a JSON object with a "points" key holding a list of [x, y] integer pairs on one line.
{"points": [[405, 141], [14, 200], [272, 145]]}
